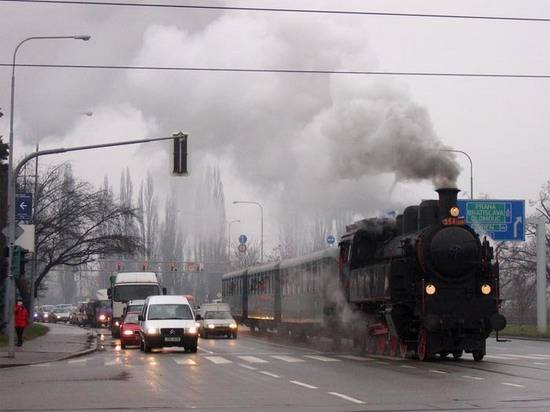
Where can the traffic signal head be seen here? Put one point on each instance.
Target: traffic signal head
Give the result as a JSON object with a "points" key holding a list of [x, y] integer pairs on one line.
{"points": [[179, 157]]}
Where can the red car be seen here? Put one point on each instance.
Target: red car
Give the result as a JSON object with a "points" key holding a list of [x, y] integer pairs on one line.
{"points": [[129, 330]]}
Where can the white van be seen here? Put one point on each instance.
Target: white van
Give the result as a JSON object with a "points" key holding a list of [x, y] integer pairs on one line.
{"points": [[167, 321]]}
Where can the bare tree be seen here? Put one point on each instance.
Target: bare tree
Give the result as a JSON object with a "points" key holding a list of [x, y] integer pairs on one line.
{"points": [[148, 218], [75, 224]]}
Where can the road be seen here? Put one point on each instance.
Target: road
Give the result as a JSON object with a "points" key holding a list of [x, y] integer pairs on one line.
{"points": [[256, 373]]}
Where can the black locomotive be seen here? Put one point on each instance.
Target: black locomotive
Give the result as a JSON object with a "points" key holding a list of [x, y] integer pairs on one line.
{"points": [[424, 284]]}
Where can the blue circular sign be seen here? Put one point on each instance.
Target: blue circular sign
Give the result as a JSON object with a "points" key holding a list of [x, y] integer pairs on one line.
{"points": [[242, 239], [331, 239]]}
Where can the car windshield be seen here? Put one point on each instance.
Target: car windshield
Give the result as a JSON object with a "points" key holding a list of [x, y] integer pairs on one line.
{"points": [[124, 293], [105, 304], [48, 308], [135, 308], [131, 318], [218, 315], [169, 311]]}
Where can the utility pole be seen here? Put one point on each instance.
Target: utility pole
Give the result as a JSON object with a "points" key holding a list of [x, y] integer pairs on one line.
{"points": [[541, 276]]}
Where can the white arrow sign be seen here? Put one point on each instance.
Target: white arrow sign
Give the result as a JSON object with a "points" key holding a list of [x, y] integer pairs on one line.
{"points": [[23, 205], [516, 223]]}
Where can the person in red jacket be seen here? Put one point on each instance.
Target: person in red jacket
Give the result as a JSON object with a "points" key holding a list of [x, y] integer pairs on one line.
{"points": [[21, 321]]}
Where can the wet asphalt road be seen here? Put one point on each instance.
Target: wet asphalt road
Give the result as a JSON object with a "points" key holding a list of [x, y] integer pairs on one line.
{"points": [[259, 374]]}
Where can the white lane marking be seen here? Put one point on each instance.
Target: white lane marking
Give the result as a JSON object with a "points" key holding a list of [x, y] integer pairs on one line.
{"points": [[321, 358], [252, 359], [347, 398], [43, 364], [540, 363], [407, 366], [542, 355], [205, 350], [500, 357], [438, 371], [217, 359], [289, 359], [305, 385], [270, 374], [113, 362], [182, 361], [515, 385], [475, 378], [73, 361], [357, 358], [252, 368], [525, 356]]}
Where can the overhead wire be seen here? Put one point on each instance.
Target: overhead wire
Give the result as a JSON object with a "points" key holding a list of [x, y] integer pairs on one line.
{"points": [[284, 71], [281, 10]]}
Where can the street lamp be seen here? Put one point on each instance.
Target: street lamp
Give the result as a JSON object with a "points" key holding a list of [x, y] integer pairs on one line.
{"points": [[471, 168], [10, 283], [229, 237], [261, 226]]}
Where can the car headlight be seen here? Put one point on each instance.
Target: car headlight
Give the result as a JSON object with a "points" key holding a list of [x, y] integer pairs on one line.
{"points": [[35, 315], [192, 330], [233, 326], [211, 326], [45, 315], [58, 316], [152, 331], [101, 317], [128, 332], [486, 289], [117, 323]]}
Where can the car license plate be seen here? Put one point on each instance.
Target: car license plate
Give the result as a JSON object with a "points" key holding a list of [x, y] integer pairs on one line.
{"points": [[172, 339]]}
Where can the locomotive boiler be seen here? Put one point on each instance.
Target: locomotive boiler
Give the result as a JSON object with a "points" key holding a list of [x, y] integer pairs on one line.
{"points": [[425, 284]]}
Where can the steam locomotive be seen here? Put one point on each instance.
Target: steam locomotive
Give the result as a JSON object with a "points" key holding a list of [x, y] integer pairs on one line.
{"points": [[424, 285]]}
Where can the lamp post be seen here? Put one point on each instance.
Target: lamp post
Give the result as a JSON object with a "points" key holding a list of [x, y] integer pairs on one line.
{"points": [[261, 224], [471, 168], [10, 281], [229, 237]]}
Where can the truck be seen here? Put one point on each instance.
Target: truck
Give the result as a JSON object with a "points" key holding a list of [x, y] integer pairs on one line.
{"points": [[128, 286]]}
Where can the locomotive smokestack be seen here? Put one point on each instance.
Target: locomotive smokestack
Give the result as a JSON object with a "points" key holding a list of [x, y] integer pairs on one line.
{"points": [[447, 200]]}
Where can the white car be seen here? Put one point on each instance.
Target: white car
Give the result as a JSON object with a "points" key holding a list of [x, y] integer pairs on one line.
{"points": [[167, 321], [218, 323]]}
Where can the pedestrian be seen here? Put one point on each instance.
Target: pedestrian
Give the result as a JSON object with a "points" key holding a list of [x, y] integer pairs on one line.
{"points": [[21, 320]]}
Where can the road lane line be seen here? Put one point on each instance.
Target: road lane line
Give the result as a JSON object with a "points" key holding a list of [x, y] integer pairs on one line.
{"points": [[407, 366], [525, 356], [73, 361], [347, 398], [322, 358], [475, 378], [217, 359], [500, 357], [515, 385], [289, 359], [113, 362], [438, 371], [182, 361], [357, 358], [252, 368], [540, 363], [252, 359], [305, 385], [270, 374], [204, 350], [43, 364]]}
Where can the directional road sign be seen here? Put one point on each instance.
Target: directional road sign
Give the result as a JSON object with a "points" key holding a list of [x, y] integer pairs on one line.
{"points": [[242, 239], [331, 239], [23, 206], [499, 219]]}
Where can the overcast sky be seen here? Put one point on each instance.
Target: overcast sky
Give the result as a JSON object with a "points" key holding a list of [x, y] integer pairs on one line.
{"points": [[290, 140]]}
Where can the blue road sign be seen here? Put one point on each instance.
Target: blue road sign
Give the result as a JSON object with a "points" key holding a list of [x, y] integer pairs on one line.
{"points": [[331, 239], [23, 206], [498, 219], [242, 239]]}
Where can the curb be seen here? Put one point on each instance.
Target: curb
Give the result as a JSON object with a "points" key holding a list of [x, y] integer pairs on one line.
{"points": [[93, 347]]}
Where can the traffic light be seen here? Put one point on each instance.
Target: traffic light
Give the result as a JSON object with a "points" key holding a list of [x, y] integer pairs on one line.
{"points": [[179, 158], [145, 265], [119, 266]]}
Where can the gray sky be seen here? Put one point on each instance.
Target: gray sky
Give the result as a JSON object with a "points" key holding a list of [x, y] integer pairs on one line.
{"points": [[288, 140]]}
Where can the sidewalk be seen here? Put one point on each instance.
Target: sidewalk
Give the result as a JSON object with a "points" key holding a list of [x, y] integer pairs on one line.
{"points": [[61, 342]]}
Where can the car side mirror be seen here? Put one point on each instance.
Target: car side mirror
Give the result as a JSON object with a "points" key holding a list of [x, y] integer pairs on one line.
{"points": [[164, 291], [109, 293], [140, 318], [198, 317]]}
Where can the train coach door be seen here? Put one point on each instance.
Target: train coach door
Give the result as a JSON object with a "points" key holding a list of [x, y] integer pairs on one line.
{"points": [[343, 267]]}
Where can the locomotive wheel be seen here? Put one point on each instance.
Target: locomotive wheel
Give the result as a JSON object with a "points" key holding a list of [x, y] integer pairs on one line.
{"points": [[393, 346], [422, 349], [380, 344], [457, 355], [478, 355]]}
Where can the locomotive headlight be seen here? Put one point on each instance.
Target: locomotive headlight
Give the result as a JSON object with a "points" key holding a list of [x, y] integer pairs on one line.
{"points": [[454, 211], [486, 289], [430, 289]]}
